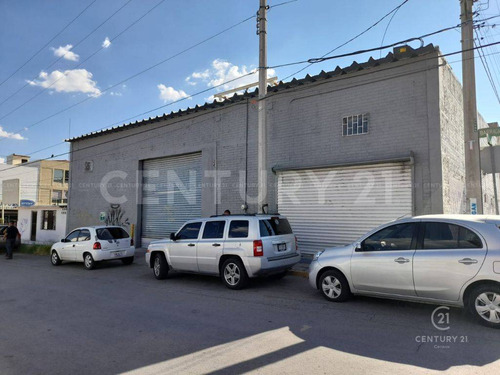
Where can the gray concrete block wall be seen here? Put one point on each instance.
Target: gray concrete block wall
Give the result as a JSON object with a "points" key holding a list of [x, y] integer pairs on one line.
{"points": [[305, 129], [306, 125], [452, 142]]}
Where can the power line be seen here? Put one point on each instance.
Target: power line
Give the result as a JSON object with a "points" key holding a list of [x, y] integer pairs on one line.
{"points": [[61, 57], [50, 41], [100, 49], [322, 59], [136, 74], [487, 70], [387, 28], [353, 38], [340, 78], [88, 57]]}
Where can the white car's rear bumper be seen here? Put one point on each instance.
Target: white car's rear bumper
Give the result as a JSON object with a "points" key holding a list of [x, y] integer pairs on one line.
{"points": [[99, 255]]}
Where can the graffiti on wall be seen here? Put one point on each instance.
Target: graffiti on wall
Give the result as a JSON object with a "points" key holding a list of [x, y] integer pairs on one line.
{"points": [[22, 226], [115, 216]]}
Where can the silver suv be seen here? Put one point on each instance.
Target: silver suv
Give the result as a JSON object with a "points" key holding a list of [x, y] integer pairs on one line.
{"points": [[235, 247], [440, 259]]}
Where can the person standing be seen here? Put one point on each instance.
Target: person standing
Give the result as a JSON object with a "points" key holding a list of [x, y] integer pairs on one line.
{"points": [[11, 234]]}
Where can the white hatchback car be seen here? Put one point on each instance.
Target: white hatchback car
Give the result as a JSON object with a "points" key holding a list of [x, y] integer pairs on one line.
{"points": [[94, 244]]}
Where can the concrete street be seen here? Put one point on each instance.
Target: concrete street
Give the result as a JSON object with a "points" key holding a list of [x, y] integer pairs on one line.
{"points": [[116, 319]]}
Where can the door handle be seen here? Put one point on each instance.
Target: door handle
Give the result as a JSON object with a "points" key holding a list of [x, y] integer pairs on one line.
{"points": [[468, 261], [401, 260], [216, 244], [190, 244], [74, 245]]}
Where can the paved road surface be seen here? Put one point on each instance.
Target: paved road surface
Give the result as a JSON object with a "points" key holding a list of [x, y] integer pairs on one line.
{"points": [[115, 319]]}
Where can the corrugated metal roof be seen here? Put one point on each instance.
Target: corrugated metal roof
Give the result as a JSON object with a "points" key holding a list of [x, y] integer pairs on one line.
{"points": [[354, 67]]}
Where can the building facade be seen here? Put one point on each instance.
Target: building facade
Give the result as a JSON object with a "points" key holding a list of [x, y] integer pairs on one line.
{"points": [[348, 150], [32, 184], [42, 224]]}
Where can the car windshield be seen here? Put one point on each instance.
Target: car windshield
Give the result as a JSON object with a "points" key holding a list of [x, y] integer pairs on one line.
{"points": [[111, 233], [274, 227]]}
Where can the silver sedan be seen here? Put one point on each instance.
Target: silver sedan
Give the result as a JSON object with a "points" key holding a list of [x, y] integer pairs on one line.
{"points": [[450, 260]]}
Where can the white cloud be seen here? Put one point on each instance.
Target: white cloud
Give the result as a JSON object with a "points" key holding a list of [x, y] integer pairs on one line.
{"points": [[65, 52], [6, 134], [106, 43], [115, 93], [169, 94], [76, 80], [223, 71]]}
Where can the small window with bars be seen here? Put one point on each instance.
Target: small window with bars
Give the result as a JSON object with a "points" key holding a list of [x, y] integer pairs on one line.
{"points": [[355, 125]]}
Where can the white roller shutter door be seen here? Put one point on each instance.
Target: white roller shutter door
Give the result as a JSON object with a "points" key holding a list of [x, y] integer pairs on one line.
{"points": [[335, 206], [171, 194]]}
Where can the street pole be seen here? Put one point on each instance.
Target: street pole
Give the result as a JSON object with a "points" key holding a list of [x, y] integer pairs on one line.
{"points": [[473, 188], [494, 174], [262, 131]]}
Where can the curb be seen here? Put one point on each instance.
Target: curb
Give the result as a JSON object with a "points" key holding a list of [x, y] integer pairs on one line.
{"points": [[303, 274]]}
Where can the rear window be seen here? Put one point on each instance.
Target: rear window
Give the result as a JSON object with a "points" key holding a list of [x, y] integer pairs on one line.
{"points": [[111, 233], [274, 227], [238, 229]]}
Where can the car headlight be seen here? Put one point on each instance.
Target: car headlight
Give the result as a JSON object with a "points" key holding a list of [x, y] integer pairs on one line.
{"points": [[316, 256]]}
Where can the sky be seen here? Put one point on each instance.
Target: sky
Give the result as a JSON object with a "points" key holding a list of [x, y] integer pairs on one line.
{"points": [[86, 78]]}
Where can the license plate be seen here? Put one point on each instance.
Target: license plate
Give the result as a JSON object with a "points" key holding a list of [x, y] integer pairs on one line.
{"points": [[117, 253], [282, 247]]}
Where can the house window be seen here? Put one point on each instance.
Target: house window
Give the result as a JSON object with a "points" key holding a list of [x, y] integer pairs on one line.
{"points": [[355, 125], [56, 197], [49, 220], [59, 197], [58, 175], [66, 177]]}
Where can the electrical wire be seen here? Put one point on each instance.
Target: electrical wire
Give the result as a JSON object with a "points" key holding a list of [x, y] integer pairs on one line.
{"points": [[322, 59], [353, 38], [61, 57], [82, 62], [135, 75], [340, 78], [487, 69], [50, 41]]}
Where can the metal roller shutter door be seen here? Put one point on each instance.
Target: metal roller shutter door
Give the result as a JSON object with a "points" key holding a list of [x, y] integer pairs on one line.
{"points": [[171, 194], [335, 206]]}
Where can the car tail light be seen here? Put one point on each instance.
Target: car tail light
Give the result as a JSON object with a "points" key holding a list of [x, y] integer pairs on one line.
{"points": [[258, 250], [97, 246], [131, 242], [296, 244]]}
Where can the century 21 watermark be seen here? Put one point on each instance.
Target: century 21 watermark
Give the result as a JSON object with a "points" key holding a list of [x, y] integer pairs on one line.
{"points": [[440, 319]]}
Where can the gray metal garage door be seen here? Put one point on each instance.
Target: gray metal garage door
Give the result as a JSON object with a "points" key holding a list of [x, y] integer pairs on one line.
{"points": [[335, 206], [171, 194]]}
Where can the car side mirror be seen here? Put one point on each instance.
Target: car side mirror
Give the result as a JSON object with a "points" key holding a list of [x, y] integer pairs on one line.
{"points": [[173, 237], [63, 240], [358, 247]]}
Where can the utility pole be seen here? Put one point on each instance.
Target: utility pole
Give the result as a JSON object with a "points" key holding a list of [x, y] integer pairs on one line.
{"points": [[473, 188], [262, 131]]}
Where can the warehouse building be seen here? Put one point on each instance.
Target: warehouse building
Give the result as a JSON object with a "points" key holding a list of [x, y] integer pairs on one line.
{"points": [[348, 149]]}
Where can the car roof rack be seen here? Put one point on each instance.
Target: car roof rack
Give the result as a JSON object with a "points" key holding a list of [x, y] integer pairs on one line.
{"points": [[270, 214]]}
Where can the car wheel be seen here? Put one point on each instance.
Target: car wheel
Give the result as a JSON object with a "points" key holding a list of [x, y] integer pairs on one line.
{"points": [[334, 287], [54, 258], [160, 266], [127, 261], [484, 305], [233, 274], [88, 261]]}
